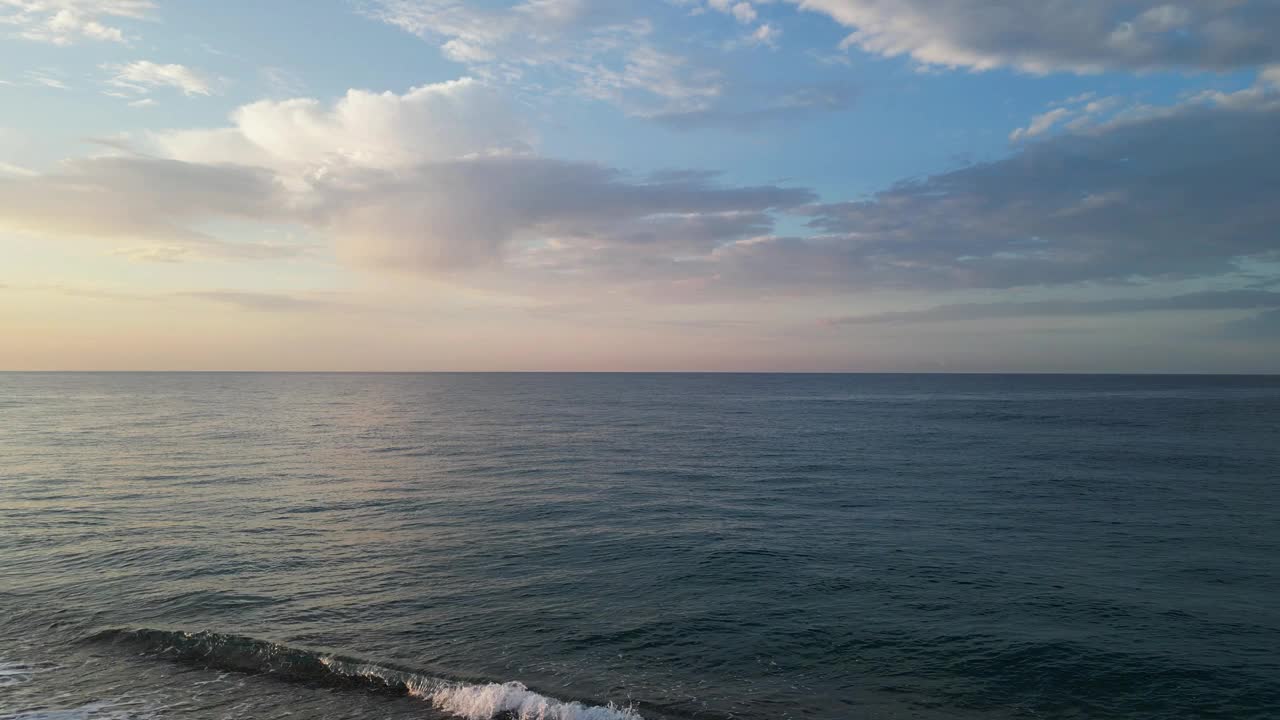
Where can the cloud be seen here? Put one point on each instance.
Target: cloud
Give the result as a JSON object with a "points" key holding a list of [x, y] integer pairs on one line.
{"points": [[461, 214], [799, 104], [11, 169], [1167, 192], [1264, 325], [302, 137], [658, 75], [1206, 300], [65, 22], [46, 77], [425, 181], [268, 302], [610, 52], [606, 49], [212, 248], [1040, 124], [155, 253], [1079, 113], [514, 37], [743, 12], [143, 76], [1078, 36], [136, 198], [765, 34], [440, 181], [256, 301]]}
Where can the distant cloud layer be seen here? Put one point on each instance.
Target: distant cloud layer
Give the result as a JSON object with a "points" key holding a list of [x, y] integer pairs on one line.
{"points": [[128, 196], [438, 179], [1171, 192], [442, 179], [446, 179], [1189, 302], [1078, 36]]}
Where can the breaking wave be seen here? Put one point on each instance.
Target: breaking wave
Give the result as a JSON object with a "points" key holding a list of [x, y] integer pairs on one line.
{"points": [[471, 701]]}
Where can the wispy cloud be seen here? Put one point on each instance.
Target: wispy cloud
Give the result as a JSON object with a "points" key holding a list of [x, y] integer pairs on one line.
{"points": [[142, 76], [1208, 300], [269, 301], [608, 48], [796, 104], [52, 78], [11, 169], [65, 22], [251, 300]]}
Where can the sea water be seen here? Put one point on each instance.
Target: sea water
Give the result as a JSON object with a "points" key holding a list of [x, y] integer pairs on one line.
{"points": [[613, 547]]}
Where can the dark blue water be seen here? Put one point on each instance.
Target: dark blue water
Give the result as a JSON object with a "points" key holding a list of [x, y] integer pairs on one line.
{"points": [[678, 546]]}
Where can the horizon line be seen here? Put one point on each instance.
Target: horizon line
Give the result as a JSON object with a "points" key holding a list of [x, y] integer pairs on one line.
{"points": [[1190, 373]]}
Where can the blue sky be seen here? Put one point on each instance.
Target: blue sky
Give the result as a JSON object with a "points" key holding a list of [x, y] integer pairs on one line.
{"points": [[975, 185]]}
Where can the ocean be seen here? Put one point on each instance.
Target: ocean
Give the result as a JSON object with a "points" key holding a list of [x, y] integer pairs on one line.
{"points": [[612, 547]]}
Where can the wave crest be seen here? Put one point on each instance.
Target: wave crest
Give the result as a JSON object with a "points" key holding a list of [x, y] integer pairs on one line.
{"points": [[484, 701], [514, 700]]}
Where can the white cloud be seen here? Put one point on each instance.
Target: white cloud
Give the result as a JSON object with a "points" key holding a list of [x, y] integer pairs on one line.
{"points": [[47, 77], [766, 34], [1078, 36], [64, 22], [301, 138], [11, 169], [605, 46], [533, 32], [1084, 111], [659, 75], [143, 76], [742, 11], [1040, 124]]}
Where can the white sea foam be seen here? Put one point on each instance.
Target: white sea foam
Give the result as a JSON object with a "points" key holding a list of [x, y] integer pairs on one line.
{"points": [[482, 702]]}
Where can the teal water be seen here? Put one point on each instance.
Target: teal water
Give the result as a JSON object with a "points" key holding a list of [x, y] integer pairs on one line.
{"points": [[598, 547]]}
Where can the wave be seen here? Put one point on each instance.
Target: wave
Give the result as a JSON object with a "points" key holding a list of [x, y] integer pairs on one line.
{"points": [[471, 701]]}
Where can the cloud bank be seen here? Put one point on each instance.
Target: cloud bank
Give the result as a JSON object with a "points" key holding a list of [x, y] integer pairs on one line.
{"points": [[1208, 300], [1078, 36], [442, 180]]}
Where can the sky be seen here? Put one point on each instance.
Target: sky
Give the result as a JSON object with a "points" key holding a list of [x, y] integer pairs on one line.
{"points": [[665, 185]]}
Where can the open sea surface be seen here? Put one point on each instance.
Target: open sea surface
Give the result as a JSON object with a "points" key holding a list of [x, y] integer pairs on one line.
{"points": [[607, 547]]}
